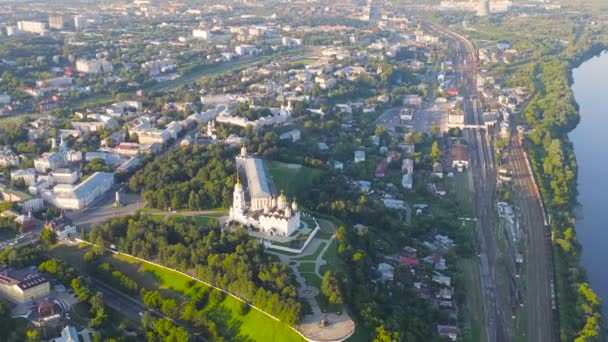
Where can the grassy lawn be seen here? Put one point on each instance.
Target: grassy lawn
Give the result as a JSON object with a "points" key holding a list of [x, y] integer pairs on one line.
{"points": [[323, 235], [203, 220], [463, 192], [254, 325], [312, 279], [307, 267], [292, 180], [473, 303], [331, 256], [18, 118], [313, 256]]}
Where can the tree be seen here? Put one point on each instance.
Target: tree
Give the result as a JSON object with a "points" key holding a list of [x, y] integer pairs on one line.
{"points": [[435, 130], [382, 335], [331, 288], [80, 289], [48, 237], [153, 299], [19, 183], [436, 153], [169, 308], [98, 309], [33, 335]]}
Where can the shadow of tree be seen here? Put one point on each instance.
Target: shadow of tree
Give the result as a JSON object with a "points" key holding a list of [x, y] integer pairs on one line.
{"points": [[226, 325]]}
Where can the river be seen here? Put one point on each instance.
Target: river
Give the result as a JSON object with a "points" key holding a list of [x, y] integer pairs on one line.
{"points": [[590, 139]]}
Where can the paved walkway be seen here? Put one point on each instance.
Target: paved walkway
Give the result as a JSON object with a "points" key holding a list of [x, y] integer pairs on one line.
{"points": [[337, 327]]}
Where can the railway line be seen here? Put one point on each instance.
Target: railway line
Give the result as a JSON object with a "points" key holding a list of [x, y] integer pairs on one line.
{"points": [[500, 292], [540, 297]]}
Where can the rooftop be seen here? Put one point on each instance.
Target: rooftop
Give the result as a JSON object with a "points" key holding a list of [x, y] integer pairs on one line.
{"points": [[256, 178], [25, 278]]}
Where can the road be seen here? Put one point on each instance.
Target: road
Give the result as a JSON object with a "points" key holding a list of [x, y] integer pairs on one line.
{"points": [[102, 209], [131, 307], [539, 272], [482, 171]]}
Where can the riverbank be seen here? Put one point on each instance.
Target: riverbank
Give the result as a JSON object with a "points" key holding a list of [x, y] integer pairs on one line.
{"points": [[554, 164]]}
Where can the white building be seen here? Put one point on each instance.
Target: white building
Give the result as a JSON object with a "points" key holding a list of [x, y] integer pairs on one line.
{"points": [[5, 98], [94, 66], [293, 135], [28, 176], [34, 204], [243, 50], [8, 158], [56, 22], [407, 181], [68, 334], [32, 27], [455, 117], [80, 22], [50, 161], [256, 205], [66, 232], [64, 176], [65, 196], [152, 136], [201, 34], [108, 158], [359, 156], [393, 203], [58, 82]]}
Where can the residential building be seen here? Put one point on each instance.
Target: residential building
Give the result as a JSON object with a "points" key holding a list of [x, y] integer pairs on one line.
{"points": [[25, 221], [58, 82], [5, 98], [108, 158], [448, 331], [21, 286], [293, 135], [8, 158], [359, 156], [56, 22], [460, 154], [50, 161], [380, 170], [407, 165], [33, 205], [292, 42], [455, 117], [28, 176], [387, 272], [63, 228], [94, 66], [393, 203], [201, 34], [68, 334], [32, 27], [243, 50], [80, 22]]}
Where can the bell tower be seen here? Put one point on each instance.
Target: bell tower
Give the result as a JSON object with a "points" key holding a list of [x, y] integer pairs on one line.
{"points": [[238, 197]]}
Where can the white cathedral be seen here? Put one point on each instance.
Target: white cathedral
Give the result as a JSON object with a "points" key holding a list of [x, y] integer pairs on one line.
{"points": [[256, 206]]}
